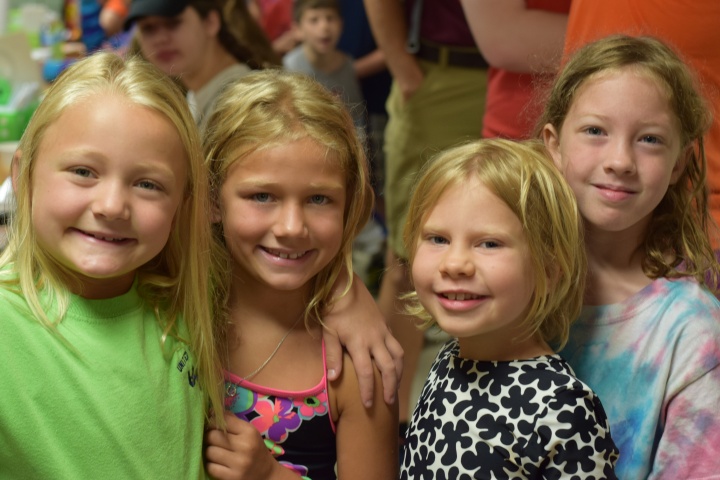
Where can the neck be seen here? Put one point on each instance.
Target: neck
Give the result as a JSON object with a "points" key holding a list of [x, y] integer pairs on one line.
{"points": [[249, 299], [492, 348], [326, 63], [217, 60], [615, 270]]}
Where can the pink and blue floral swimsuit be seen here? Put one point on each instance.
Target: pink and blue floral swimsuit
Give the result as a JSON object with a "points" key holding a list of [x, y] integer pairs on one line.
{"points": [[297, 426]]}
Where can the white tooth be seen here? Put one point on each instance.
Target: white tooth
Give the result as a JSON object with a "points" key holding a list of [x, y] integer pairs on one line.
{"points": [[460, 296]]}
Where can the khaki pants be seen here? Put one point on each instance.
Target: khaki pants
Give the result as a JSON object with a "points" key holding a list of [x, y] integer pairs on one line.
{"points": [[447, 109]]}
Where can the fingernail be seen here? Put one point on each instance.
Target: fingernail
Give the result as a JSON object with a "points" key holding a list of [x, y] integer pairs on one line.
{"points": [[368, 404], [331, 373]]}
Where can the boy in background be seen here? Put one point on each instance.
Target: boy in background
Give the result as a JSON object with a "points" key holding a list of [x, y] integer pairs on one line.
{"points": [[318, 24]]}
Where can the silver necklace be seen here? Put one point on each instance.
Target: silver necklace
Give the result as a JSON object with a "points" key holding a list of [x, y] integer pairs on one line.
{"points": [[267, 360]]}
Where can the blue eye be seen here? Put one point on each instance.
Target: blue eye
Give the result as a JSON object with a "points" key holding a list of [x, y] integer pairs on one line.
{"points": [[438, 240], [261, 197], [82, 172], [319, 199], [490, 244], [148, 185], [651, 139], [593, 131]]}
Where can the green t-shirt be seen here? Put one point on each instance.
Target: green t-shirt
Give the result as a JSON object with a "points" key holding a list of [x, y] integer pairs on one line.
{"points": [[122, 406]]}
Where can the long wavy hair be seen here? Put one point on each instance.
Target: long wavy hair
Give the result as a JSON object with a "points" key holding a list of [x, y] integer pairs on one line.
{"points": [[239, 33], [677, 241]]}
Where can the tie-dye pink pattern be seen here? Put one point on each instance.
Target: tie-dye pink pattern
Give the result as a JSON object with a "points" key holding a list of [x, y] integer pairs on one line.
{"points": [[654, 361]]}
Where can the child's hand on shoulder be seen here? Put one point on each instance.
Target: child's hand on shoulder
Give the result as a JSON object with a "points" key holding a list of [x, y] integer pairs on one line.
{"points": [[355, 322], [239, 453]]}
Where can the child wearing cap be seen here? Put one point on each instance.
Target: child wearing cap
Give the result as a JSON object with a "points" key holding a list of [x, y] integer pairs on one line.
{"points": [[205, 44]]}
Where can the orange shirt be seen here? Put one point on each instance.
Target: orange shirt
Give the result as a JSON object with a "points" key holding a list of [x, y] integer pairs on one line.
{"points": [[120, 7], [691, 28]]}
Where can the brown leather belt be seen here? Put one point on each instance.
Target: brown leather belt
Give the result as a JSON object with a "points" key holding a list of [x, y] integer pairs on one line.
{"points": [[452, 56]]}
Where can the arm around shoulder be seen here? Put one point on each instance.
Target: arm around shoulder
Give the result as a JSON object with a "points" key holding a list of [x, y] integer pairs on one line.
{"points": [[356, 322]]}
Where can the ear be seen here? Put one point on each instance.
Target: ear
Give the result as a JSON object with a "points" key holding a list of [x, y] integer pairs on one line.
{"points": [[551, 139], [682, 161], [213, 22]]}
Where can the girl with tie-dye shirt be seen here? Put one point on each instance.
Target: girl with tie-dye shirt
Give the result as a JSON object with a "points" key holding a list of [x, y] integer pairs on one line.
{"points": [[625, 124]]}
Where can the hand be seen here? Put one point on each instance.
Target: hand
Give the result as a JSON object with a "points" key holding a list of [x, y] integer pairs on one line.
{"points": [[356, 322], [239, 453], [410, 80]]}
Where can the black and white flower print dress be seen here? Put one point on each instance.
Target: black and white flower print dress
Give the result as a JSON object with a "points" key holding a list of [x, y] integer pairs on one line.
{"points": [[522, 419]]}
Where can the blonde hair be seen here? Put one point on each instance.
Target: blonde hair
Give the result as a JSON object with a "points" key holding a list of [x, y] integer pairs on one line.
{"points": [[271, 108], [525, 179], [681, 223], [176, 282]]}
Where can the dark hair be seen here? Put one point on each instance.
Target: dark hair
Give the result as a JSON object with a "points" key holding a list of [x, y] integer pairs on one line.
{"points": [[239, 33], [301, 6]]}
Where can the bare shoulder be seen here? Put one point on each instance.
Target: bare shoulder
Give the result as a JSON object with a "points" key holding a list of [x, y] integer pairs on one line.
{"points": [[361, 432]]}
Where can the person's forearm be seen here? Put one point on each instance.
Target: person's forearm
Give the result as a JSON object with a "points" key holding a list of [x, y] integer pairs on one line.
{"points": [[387, 21], [370, 64], [514, 38]]}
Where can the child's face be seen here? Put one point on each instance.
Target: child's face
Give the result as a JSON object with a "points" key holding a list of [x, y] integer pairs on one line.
{"points": [[619, 149], [107, 181], [472, 269], [177, 45], [320, 29], [282, 212]]}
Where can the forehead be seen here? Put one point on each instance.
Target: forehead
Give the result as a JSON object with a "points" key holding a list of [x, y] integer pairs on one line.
{"points": [[105, 120], [290, 154], [319, 10], [631, 71]]}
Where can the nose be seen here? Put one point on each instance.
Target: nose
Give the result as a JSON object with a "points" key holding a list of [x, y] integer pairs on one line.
{"points": [[111, 202], [457, 262], [290, 221], [620, 159]]}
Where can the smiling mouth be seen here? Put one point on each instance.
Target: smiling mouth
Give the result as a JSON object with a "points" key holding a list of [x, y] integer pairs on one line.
{"points": [[460, 296], [286, 256], [615, 189], [104, 238]]}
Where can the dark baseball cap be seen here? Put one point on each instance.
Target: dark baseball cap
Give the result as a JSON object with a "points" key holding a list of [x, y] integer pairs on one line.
{"points": [[151, 8]]}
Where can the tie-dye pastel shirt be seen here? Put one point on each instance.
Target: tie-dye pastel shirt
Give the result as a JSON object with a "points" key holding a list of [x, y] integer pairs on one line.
{"points": [[654, 361]]}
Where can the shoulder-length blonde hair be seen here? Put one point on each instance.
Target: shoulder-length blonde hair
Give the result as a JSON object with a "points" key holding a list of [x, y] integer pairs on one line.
{"points": [[176, 282], [270, 108], [525, 179]]}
